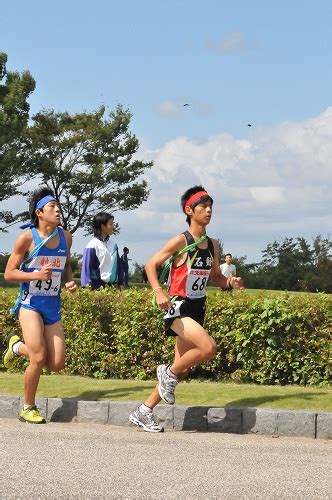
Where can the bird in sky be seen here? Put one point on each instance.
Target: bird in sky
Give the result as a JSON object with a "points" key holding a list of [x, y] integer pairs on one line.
{"points": [[186, 104], [249, 124]]}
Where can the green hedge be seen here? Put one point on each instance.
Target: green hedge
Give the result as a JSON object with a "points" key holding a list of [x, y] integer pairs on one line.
{"points": [[266, 339]]}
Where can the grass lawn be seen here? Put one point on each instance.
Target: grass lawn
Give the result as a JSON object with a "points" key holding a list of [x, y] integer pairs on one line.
{"points": [[211, 290], [187, 393]]}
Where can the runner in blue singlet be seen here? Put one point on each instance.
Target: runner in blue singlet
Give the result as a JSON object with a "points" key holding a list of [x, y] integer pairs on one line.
{"points": [[44, 296], [39, 262]]}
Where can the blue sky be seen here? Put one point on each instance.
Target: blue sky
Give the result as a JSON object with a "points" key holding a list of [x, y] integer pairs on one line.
{"points": [[240, 62]]}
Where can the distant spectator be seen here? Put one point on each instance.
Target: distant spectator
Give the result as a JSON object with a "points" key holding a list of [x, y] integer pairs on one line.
{"points": [[125, 265], [229, 270], [144, 276], [101, 264]]}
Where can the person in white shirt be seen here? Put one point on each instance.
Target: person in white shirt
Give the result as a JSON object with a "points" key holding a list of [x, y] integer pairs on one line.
{"points": [[227, 268]]}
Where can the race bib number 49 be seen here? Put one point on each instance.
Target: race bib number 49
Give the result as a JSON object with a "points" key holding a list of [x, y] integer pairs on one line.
{"points": [[46, 287]]}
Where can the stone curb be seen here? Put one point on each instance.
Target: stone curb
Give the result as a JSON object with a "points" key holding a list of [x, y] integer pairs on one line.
{"points": [[183, 418]]}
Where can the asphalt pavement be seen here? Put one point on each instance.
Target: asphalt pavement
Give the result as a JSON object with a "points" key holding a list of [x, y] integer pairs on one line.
{"points": [[91, 461]]}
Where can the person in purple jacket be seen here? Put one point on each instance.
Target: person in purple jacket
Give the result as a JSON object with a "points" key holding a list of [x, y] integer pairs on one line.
{"points": [[101, 264]]}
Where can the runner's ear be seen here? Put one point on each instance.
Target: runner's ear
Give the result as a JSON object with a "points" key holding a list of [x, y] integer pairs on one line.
{"points": [[188, 210]]}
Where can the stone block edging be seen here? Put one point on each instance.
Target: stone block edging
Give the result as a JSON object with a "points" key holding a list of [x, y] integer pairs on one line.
{"points": [[228, 419]]}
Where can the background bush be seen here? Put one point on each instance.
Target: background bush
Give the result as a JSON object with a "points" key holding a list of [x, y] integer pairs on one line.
{"points": [[279, 339]]}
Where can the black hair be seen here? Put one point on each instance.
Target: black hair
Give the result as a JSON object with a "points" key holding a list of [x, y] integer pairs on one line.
{"points": [[125, 249], [186, 195], [35, 197], [98, 220], [228, 254]]}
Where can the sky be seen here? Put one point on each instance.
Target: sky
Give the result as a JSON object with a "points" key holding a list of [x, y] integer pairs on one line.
{"points": [[267, 64]]}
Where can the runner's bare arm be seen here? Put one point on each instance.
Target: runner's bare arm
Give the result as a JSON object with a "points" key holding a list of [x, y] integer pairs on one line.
{"points": [[172, 247], [21, 249]]}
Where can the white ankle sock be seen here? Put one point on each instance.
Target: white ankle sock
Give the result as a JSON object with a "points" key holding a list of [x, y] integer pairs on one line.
{"points": [[16, 347], [25, 407], [145, 409], [170, 373]]}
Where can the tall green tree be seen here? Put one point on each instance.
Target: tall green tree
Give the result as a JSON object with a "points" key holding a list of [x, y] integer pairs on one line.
{"points": [[136, 276], [15, 88], [89, 160], [319, 276], [221, 251], [296, 265], [281, 265], [322, 248], [3, 261], [246, 271]]}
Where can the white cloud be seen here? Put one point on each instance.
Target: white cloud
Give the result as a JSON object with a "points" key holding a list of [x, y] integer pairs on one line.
{"points": [[267, 195], [277, 183], [274, 184], [168, 109], [230, 44], [177, 109]]}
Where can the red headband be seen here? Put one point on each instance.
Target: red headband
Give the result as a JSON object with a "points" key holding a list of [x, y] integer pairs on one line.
{"points": [[195, 197]]}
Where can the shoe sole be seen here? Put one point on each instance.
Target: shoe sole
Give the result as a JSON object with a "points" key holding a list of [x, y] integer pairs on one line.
{"points": [[159, 391], [21, 419], [7, 349], [3, 360], [135, 421]]}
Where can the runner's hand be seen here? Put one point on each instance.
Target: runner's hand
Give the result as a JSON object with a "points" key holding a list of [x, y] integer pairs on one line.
{"points": [[162, 300], [45, 273], [236, 283], [71, 286]]}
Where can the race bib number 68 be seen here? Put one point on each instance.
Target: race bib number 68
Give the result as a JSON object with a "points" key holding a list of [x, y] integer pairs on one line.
{"points": [[196, 283], [174, 311]]}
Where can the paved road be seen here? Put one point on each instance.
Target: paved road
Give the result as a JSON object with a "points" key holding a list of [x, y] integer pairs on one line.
{"points": [[92, 461]]}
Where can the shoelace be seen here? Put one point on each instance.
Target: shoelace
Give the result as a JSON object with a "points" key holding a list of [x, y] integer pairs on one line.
{"points": [[151, 419], [171, 382], [33, 411]]}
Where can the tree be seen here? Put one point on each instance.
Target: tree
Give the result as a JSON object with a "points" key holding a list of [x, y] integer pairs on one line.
{"points": [[136, 275], [294, 265], [282, 264], [3, 261], [246, 271], [76, 264], [87, 159], [14, 115], [321, 249], [319, 276], [221, 251]]}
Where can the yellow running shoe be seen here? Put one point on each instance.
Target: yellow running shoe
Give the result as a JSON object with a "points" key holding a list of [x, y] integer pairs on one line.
{"points": [[9, 356], [31, 415]]}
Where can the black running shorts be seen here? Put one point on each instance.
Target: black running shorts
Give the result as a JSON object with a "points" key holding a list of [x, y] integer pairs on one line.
{"points": [[183, 308]]}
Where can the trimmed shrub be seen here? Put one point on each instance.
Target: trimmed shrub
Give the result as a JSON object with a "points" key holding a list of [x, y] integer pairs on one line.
{"points": [[267, 339], [282, 339]]}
